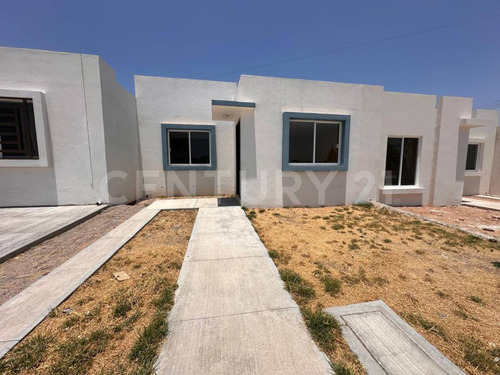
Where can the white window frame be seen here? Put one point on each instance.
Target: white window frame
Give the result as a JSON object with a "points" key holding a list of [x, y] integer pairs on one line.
{"points": [[478, 154], [189, 145], [41, 129], [339, 141], [417, 167]]}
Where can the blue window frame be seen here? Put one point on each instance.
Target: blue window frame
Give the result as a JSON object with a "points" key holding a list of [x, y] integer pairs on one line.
{"points": [[188, 147], [315, 142]]}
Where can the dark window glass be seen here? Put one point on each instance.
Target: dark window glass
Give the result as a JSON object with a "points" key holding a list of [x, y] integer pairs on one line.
{"points": [[179, 147], [17, 129], [410, 155], [200, 148], [327, 143], [471, 163], [392, 161], [301, 142]]}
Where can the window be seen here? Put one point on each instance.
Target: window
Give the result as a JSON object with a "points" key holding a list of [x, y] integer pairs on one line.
{"points": [[17, 129], [188, 147], [401, 161], [472, 156], [315, 141]]}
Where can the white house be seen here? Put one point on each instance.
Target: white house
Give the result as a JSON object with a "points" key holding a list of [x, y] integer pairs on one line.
{"points": [[271, 141], [65, 124]]}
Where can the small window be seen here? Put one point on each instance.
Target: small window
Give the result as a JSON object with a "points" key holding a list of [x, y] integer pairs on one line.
{"points": [[401, 161], [17, 129], [314, 142], [189, 147], [472, 156]]}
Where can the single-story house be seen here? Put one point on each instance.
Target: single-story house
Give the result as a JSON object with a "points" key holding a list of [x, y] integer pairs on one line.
{"points": [[70, 134]]}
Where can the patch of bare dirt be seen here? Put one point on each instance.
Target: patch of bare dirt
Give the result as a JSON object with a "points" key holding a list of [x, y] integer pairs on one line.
{"points": [[443, 282], [471, 218], [18, 273]]}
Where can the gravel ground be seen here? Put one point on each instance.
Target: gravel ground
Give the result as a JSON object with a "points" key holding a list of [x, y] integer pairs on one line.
{"points": [[476, 219], [19, 272]]}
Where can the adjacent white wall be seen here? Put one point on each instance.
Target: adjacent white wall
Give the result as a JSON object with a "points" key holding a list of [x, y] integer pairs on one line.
{"points": [[495, 169], [121, 136], [74, 93], [68, 179], [183, 101], [478, 182], [450, 151]]}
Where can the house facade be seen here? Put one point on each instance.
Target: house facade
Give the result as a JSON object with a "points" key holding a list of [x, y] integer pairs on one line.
{"points": [[271, 141], [84, 128]]}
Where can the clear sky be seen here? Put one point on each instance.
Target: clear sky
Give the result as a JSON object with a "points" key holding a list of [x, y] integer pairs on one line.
{"points": [[202, 39]]}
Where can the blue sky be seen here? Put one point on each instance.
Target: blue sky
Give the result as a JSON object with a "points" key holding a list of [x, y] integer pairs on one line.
{"points": [[210, 38]]}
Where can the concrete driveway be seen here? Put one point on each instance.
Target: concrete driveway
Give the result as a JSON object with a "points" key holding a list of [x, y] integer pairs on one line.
{"points": [[21, 228]]}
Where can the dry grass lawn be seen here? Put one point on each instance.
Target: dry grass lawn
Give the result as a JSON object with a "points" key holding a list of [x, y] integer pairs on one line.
{"points": [[107, 326], [443, 282]]}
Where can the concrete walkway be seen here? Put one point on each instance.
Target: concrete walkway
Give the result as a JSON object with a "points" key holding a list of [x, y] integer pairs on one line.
{"points": [[23, 312], [182, 204], [231, 313], [24, 227], [487, 204]]}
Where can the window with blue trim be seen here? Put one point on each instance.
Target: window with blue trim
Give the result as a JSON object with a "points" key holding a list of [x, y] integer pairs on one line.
{"points": [[188, 147], [315, 141]]}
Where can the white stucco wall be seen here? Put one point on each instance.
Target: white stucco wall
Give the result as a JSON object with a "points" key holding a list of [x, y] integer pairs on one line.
{"points": [[495, 169], [72, 87], [266, 185], [407, 115], [478, 182], [183, 101], [375, 116], [70, 177], [121, 136], [450, 150]]}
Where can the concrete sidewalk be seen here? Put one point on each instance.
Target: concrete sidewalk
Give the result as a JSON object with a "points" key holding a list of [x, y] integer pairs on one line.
{"points": [[487, 204], [231, 313]]}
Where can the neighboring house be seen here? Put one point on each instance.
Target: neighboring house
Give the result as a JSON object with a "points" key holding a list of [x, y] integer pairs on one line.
{"points": [[271, 141], [495, 168], [480, 167], [65, 123]]}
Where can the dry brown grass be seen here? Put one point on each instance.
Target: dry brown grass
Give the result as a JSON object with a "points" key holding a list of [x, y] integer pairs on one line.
{"points": [[440, 280], [108, 316]]}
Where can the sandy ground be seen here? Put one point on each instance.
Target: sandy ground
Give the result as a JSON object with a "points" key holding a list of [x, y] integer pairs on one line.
{"points": [[427, 273], [119, 310], [476, 219], [19, 272]]}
